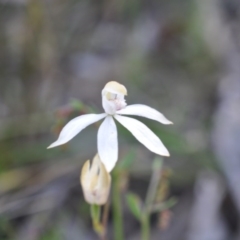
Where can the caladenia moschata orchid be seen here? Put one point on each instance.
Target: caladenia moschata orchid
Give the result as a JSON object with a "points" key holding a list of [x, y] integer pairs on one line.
{"points": [[115, 106], [95, 181]]}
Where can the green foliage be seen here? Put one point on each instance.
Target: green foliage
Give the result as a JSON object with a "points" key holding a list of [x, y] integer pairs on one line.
{"points": [[53, 234], [135, 205], [163, 206], [76, 104], [127, 161], [15, 154], [6, 230]]}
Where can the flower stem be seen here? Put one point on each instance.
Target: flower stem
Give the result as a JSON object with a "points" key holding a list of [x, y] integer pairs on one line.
{"points": [[117, 209], [152, 188], [95, 215], [151, 194], [105, 219], [145, 227], [100, 227]]}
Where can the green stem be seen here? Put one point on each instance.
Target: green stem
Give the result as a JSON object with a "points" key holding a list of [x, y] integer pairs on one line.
{"points": [[95, 212], [155, 178], [95, 215], [105, 220], [145, 227], [117, 209], [151, 194]]}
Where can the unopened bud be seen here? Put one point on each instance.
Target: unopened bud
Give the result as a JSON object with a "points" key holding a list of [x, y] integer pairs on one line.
{"points": [[95, 181]]}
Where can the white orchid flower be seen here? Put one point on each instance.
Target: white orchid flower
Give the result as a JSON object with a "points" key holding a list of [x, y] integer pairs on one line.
{"points": [[95, 181], [115, 106]]}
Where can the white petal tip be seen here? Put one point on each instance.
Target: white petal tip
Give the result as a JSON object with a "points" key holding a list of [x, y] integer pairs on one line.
{"points": [[166, 122], [110, 169], [164, 153], [52, 145]]}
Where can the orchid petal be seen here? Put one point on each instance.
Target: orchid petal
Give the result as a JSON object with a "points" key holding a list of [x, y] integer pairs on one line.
{"points": [[108, 143], [143, 134], [75, 126], [144, 111]]}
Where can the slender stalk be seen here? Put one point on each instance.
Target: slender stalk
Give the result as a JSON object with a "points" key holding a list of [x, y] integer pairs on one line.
{"points": [[145, 227], [95, 212], [155, 178], [95, 215], [151, 194], [117, 208], [105, 219]]}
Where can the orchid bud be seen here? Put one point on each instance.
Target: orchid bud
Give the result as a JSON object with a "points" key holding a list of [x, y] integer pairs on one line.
{"points": [[95, 181]]}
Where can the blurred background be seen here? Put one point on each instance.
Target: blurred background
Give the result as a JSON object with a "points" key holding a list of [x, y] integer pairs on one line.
{"points": [[181, 57]]}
